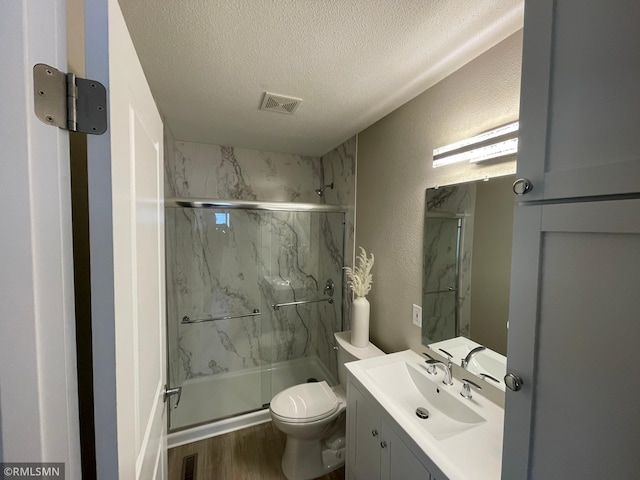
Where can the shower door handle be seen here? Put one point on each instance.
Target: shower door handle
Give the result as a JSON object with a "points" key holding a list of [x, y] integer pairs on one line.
{"points": [[168, 392]]}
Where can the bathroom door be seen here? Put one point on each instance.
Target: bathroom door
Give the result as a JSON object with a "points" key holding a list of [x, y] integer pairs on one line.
{"points": [[38, 403], [126, 227]]}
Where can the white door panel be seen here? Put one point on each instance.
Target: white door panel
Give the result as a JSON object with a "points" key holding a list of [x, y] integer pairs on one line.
{"points": [[126, 187], [38, 391]]}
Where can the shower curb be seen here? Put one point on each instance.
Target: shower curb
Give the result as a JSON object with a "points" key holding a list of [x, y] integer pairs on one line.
{"points": [[195, 434]]}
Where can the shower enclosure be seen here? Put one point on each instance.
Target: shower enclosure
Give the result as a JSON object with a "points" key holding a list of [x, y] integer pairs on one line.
{"points": [[441, 283], [254, 295]]}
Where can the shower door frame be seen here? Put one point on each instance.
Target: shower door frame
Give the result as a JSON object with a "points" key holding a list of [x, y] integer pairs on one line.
{"points": [[269, 206]]}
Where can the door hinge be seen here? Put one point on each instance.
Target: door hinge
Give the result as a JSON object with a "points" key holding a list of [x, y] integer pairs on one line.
{"points": [[69, 102]]}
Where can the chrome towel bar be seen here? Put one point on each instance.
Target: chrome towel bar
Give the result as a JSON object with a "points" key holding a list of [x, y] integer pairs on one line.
{"points": [[186, 319], [301, 302], [252, 205]]}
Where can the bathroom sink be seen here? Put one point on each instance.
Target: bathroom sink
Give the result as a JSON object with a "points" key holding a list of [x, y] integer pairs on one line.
{"points": [[486, 361], [412, 387]]}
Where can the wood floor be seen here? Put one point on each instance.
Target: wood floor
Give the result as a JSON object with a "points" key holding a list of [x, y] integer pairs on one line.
{"points": [[253, 453]]}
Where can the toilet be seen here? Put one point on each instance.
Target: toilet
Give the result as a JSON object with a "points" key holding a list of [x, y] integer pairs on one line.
{"points": [[312, 415]]}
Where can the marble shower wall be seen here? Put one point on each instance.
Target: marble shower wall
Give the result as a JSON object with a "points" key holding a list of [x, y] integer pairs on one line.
{"points": [[230, 262], [444, 206]]}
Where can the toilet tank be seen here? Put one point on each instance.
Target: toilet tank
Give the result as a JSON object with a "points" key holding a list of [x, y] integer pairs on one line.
{"points": [[349, 353]]}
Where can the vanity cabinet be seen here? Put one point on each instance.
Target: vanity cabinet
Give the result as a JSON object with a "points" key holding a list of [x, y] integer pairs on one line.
{"points": [[376, 448], [364, 430], [574, 326], [580, 100], [573, 315]]}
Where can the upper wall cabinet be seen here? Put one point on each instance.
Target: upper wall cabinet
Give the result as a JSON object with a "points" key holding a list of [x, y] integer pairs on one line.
{"points": [[580, 99]]}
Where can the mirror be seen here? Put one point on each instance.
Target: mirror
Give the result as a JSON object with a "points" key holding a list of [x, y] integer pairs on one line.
{"points": [[466, 270]]}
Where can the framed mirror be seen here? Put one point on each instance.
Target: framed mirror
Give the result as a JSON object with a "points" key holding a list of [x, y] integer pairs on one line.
{"points": [[468, 231]]}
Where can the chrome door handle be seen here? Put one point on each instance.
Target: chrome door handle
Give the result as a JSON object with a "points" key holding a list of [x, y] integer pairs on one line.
{"points": [[513, 382], [522, 186], [168, 392]]}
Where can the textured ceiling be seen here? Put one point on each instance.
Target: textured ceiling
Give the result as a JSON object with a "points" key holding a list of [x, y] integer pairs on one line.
{"points": [[209, 62]]}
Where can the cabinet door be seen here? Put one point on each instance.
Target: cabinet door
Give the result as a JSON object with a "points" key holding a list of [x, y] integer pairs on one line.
{"points": [[579, 119], [364, 437], [398, 462], [573, 339]]}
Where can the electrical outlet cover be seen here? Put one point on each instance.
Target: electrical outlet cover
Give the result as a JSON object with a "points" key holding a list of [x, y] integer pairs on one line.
{"points": [[416, 316]]}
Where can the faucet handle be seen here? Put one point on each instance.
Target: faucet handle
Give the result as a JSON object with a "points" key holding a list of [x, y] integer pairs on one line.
{"points": [[431, 368], [486, 376], [466, 388], [450, 357], [428, 356]]}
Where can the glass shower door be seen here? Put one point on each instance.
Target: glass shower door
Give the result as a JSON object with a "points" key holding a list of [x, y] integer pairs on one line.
{"points": [[303, 256], [441, 278], [215, 313], [254, 297]]}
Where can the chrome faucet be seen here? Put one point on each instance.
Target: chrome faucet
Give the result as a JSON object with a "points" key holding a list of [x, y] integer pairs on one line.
{"points": [[465, 361], [446, 367]]}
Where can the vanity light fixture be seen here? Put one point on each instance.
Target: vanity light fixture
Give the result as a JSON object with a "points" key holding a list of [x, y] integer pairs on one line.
{"points": [[495, 143]]}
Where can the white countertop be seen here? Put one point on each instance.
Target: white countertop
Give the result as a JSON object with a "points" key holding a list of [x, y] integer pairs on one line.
{"points": [[473, 454]]}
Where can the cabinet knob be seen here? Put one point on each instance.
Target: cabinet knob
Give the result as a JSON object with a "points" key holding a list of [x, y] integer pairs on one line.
{"points": [[513, 382], [522, 186], [383, 444], [374, 432]]}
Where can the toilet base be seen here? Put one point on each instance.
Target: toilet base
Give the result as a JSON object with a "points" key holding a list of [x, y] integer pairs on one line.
{"points": [[305, 459]]}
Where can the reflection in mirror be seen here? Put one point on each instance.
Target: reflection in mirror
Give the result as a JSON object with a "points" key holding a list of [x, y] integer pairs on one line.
{"points": [[467, 265]]}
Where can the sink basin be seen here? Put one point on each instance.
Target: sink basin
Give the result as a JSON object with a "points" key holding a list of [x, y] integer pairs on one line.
{"points": [[413, 387], [486, 361]]}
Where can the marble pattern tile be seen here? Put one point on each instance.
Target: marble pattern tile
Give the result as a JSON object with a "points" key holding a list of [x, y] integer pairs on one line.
{"points": [[439, 306], [229, 262]]}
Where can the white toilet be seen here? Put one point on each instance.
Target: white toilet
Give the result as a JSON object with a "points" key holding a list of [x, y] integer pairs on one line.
{"points": [[312, 415]]}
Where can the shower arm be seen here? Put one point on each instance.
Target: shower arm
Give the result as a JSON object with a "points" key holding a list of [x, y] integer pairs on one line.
{"points": [[301, 302]]}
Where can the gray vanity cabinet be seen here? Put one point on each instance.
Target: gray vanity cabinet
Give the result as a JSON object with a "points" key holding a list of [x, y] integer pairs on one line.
{"points": [[376, 448], [365, 436], [574, 314], [580, 102], [573, 338]]}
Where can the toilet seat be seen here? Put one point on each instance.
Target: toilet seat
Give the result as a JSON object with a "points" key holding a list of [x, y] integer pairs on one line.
{"points": [[304, 403]]}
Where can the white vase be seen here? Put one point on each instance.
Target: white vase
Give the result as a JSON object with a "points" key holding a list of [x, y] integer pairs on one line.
{"points": [[360, 322]]}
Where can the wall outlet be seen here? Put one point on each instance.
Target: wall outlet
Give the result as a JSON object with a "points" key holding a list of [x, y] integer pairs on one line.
{"points": [[416, 316]]}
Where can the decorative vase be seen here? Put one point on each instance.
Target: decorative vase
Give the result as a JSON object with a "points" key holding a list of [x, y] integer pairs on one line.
{"points": [[360, 322]]}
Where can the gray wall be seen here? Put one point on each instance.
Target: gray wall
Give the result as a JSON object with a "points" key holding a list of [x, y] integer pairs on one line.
{"points": [[395, 167], [491, 263]]}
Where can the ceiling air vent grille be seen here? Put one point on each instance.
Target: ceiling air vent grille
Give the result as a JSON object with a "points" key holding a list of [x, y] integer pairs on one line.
{"points": [[279, 103]]}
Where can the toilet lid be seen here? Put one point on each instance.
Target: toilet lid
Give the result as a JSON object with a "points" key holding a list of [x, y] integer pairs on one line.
{"points": [[305, 402]]}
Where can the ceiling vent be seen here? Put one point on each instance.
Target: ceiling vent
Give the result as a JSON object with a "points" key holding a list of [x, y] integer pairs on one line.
{"points": [[279, 103]]}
